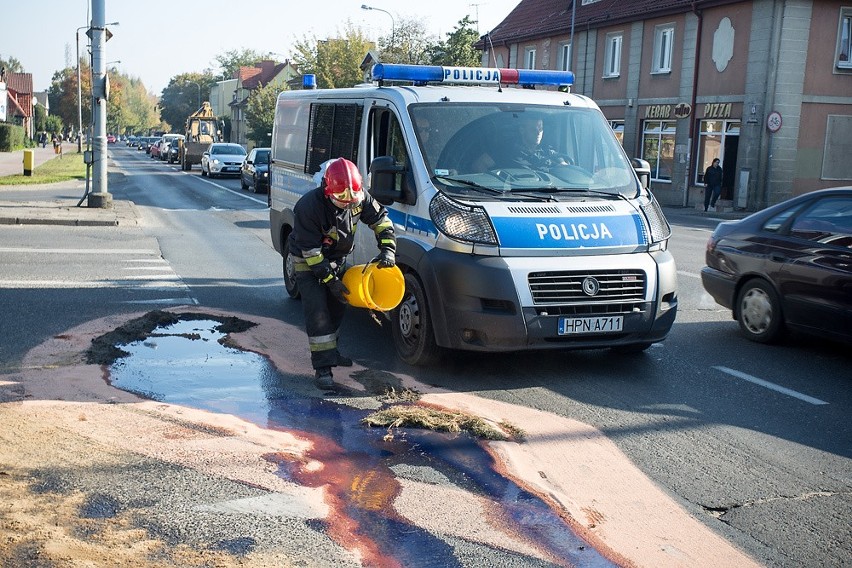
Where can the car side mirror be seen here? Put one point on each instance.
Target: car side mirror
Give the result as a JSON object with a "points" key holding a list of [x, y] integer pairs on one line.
{"points": [[383, 172], [643, 171]]}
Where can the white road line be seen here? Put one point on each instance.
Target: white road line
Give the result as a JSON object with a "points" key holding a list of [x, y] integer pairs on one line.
{"points": [[771, 386], [124, 283], [237, 193], [690, 274], [78, 251]]}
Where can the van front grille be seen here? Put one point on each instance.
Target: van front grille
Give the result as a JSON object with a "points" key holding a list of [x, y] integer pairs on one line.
{"points": [[621, 289]]}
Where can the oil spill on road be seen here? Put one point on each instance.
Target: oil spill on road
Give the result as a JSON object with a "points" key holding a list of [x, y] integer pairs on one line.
{"points": [[190, 363]]}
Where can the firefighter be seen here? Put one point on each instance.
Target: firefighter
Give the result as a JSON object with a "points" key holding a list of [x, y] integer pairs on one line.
{"points": [[323, 234]]}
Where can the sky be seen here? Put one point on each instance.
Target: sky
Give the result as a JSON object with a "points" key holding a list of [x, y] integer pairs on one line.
{"points": [[41, 33]]}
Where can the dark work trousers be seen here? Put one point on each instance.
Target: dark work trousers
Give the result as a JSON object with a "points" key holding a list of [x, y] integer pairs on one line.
{"points": [[711, 195], [323, 316]]}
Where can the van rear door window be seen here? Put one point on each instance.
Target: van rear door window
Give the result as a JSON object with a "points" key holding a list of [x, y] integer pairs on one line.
{"points": [[332, 133]]}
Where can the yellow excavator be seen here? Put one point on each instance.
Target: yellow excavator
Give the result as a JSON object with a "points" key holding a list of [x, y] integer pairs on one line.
{"points": [[202, 129]]}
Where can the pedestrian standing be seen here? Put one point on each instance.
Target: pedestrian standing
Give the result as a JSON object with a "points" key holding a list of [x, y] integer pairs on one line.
{"points": [[712, 184], [323, 235]]}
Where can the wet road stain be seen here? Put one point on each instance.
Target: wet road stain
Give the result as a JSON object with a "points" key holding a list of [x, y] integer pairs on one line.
{"points": [[191, 363]]}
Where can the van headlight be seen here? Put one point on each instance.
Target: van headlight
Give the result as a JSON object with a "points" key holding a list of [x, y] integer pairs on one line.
{"points": [[462, 222], [659, 226]]}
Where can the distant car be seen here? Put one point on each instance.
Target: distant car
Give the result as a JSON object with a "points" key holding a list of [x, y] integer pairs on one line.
{"points": [[154, 150], [222, 158], [111, 139], [787, 267], [254, 173], [165, 144], [131, 140]]}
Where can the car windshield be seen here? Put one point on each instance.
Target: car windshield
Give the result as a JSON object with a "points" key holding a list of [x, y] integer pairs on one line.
{"points": [[262, 157], [497, 149], [228, 149]]}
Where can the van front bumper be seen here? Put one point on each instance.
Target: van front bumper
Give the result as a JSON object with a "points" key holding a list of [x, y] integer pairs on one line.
{"points": [[485, 303]]}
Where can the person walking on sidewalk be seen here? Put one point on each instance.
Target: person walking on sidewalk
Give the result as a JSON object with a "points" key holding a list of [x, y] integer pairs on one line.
{"points": [[712, 184], [323, 235]]}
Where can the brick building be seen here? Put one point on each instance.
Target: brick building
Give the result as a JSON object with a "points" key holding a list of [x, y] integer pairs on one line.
{"points": [[765, 85]]}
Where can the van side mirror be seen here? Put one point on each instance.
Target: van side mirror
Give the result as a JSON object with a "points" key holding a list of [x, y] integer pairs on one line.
{"points": [[383, 172], [643, 171]]}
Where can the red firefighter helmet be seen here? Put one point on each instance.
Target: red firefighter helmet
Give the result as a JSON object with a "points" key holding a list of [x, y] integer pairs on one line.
{"points": [[343, 184]]}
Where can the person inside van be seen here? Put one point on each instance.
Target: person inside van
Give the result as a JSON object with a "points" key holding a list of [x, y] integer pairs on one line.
{"points": [[323, 235], [529, 151]]}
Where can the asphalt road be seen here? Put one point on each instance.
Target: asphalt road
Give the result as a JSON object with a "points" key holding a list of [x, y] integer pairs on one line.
{"points": [[755, 441]]}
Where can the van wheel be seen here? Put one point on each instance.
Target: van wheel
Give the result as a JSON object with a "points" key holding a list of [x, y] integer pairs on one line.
{"points": [[290, 274], [411, 323], [759, 312]]}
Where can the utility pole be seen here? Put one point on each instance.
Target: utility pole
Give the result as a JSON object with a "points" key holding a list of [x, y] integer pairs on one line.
{"points": [[100, 196]]}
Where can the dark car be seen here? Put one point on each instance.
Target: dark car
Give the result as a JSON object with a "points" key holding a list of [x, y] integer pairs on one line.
{"points": [[787, 267], [254, 174]]}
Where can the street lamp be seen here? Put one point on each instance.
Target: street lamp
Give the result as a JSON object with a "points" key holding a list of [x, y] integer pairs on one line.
{"points": [[199, 92], [393, 23], [79, 89]]}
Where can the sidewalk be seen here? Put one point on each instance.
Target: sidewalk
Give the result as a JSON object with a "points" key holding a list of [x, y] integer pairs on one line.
{"points": [[55, 203]]}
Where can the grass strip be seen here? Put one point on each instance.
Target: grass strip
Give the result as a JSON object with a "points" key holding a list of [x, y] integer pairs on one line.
{"points": [[61, 168]]}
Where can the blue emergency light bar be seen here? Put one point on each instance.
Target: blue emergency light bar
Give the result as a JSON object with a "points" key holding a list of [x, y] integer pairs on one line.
{"points": [[470, 75]]}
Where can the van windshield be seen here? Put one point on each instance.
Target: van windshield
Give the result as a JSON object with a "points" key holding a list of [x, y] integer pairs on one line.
{"points": [[520, 148]]}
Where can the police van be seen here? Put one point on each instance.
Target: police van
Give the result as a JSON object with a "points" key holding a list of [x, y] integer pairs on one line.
{"points": [[521, 222]]}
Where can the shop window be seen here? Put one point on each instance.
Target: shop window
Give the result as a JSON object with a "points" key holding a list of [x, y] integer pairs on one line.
{"points": [[844, 40], [618, 130], [658, 143], [711, 143], [529, 58], [612, 59], [663, 46]]}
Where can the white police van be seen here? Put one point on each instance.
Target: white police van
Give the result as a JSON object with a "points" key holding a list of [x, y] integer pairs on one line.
{"points": [[521, 223]]}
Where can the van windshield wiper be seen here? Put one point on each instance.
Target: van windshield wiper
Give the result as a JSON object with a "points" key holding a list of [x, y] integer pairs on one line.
{"points": [[491, 190], [471, 184]]}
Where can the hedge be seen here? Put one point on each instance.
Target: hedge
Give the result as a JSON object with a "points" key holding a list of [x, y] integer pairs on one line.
{"points": [[11, 137]]}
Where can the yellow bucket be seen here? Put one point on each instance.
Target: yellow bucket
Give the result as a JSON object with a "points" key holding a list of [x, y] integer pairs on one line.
{"points": [[373, 287]]}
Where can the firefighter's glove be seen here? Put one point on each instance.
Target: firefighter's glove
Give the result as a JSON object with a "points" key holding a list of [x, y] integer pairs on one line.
{"points": [[338, 289], [386, 258]]}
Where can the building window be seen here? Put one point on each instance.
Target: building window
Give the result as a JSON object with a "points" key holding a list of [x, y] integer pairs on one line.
{"points": [[618, 129], [565, 56], [663, 45], [529, 58], [844, 40], [711, 143], [612, 60], [658, 143], [836, 164]]}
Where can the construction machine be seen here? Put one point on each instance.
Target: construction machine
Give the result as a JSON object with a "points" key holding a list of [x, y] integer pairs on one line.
{"points": [[202, 129]]}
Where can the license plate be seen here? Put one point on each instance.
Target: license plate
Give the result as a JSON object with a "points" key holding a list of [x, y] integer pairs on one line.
{"points": [[578, 326]]}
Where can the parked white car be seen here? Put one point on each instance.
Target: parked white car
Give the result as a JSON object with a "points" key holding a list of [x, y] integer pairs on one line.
{"points": [[222, 158]]}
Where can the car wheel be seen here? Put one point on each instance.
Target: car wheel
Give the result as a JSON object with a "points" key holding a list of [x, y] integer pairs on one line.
{"points": [[411, 325], [290, 273], [203, 171], [759, 312], [243, 182], [253, 184]]}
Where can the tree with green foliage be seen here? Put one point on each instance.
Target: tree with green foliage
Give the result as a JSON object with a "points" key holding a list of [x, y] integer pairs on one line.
{"points": [[11, 65], [182, 96], [408, 43], [458, 48], [260, 114], [336, 62]]}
